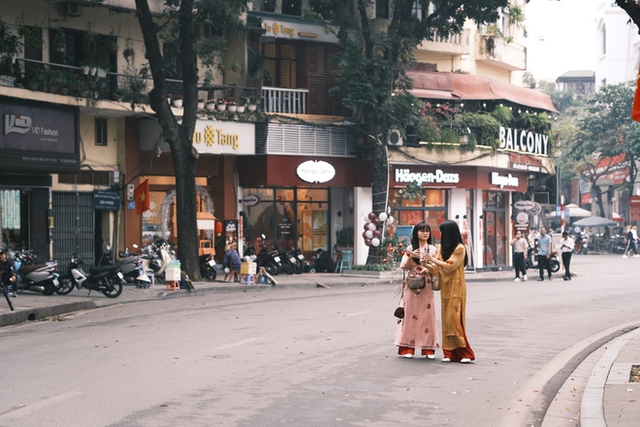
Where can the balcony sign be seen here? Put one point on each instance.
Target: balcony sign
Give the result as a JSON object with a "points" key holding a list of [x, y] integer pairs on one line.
{"points": [[315, 171], [524, 141]]}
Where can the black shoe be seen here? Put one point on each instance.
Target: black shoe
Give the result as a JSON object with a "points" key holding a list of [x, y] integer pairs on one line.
{"points": [[565, 278], [541, 280]]}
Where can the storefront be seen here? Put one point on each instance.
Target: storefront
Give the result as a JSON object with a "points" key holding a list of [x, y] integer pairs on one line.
{"points": [[297, 201], [478, 198], [38, 140]]}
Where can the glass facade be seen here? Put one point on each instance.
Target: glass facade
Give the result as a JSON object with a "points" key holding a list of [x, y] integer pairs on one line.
{"points": [[494, 233], [288, 218], [432, 210]]}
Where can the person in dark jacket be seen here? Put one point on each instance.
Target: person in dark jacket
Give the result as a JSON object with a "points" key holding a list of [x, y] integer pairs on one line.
{"points": [[232, 255], [324, 262], [7, 274]]}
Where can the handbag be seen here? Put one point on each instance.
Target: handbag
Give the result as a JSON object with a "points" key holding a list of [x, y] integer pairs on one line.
{"points": [[414, 281], [435, 282], [399, 312]]}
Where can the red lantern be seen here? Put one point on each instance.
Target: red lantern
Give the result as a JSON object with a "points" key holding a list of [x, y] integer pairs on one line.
{"points": [[218, 228]]}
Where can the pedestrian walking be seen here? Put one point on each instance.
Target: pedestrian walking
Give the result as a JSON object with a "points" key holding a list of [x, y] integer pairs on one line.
{"points": [[544, 253], [451, 259], [7, 274], [520, 248], [418, 328], [631, 238], [566, 248]]}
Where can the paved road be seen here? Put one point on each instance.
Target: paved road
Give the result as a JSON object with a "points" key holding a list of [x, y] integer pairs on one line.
{"points": [[312, 357]]}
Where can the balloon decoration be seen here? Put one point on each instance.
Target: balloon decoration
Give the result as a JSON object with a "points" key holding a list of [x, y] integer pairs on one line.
{"points": [[374, 236]]}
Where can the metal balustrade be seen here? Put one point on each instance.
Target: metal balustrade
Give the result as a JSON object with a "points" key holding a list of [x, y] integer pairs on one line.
{"points": [[282, 100]]}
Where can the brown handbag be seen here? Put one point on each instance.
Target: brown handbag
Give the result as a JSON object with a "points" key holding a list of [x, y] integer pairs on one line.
{"points": [[435, 282]]}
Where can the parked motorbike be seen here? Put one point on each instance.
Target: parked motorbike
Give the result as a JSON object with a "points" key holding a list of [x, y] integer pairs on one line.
{"points": [[207, 267], [130, 266], [581, 244], [156, 256], [532, 261], [34, 277], [288, 261], [105, 279]]}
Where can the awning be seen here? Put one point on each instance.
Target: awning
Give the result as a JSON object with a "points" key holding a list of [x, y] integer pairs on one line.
{"points": [[430, 85]]}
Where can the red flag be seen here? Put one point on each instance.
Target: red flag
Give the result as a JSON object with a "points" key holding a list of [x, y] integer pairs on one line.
{"points": [[635, 111], [141, 195]]}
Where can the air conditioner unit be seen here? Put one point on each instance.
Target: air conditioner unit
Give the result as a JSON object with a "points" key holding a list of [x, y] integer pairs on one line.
{"points": [[70, 9], [395, 138]]}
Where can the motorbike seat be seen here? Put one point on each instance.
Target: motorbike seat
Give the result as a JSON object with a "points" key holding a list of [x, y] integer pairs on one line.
{"points": [[28, 268]]}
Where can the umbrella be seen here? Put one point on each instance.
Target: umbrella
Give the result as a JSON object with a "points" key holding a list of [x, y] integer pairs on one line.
{"points": [[594, 221], [575, 211]]}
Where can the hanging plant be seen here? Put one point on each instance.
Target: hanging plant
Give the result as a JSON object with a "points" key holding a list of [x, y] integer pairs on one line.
{"points": [[59, 40]]}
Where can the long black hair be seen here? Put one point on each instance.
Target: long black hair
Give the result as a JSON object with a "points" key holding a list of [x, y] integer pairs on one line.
{"points": [[449, 239], [421, 226]]}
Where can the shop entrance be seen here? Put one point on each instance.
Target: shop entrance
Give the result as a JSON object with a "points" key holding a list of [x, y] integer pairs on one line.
{"points": [[494, 216]]}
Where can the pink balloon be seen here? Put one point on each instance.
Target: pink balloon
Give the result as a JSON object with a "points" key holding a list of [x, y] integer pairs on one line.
{"points": [[364, 234], [373, 216], [366, 225], [376, 233], [367, 242], [371, 226], [376, 221]]}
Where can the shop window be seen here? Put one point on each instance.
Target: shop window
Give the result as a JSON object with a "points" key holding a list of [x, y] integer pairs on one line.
{"points": [[85, 177], [101, 132], [493, 231], [269, 5], [10, 202], [295, 218], [432, 210], [382, 9]]}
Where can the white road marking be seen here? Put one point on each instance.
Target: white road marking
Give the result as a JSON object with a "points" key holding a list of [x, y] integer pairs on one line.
{"points": [[236, 344], [359, 313], [29, 409]]}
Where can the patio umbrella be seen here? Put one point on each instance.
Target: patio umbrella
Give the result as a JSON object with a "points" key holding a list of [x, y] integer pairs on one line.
{"points": [[594, 221], [575, 211]]}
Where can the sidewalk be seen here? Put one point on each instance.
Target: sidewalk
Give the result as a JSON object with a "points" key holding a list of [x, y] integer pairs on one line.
{"points": [[609, 398]]}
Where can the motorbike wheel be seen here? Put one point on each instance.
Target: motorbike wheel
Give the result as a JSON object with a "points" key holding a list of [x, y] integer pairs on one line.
{"points": [[555, 265], [272, 269], [298, 268], [287, 268], [49, 288], [112, 288], [208, 273], [65, 286]]}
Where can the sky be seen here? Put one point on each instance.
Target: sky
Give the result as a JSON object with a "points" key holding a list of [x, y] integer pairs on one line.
{"points": [[561, 37]]}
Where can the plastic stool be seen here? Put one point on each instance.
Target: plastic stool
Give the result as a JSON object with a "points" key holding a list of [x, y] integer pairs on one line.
{"points": [[173, 285]]}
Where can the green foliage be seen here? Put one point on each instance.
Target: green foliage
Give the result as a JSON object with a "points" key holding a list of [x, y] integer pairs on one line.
{"points": [[484, 128], [374, 267]]}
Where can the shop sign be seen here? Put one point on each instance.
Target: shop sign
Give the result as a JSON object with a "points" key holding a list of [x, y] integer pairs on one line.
{"points": [[524, 205], [250, 200], [504, 180], [106, 200], [209, 137], [438, 177], [525, 167], [315, 171], [297, 31], [524, 141]]}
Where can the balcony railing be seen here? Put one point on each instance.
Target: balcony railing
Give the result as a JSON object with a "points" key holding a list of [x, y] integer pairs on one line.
{"points": [[454, 44], [494, 49], [281, 100]]}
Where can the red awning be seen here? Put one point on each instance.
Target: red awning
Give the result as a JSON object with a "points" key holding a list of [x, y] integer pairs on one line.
{"points": [[430, 85]]}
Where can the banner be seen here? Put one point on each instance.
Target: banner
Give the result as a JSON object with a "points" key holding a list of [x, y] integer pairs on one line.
{"points": [[635, 111], [141, 195]]}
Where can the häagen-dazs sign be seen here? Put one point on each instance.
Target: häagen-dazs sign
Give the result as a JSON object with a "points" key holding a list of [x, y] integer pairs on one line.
{"points": [[250, 199], [315, 171]]}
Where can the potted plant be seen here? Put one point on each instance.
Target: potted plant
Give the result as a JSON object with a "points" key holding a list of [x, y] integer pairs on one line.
{"points": [[232, 106], [200, 103], [241, 108], [221, 105], [251, 104], [210, 104]]}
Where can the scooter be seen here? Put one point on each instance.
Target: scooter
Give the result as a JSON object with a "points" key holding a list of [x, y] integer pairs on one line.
{"points": [[156, 256], [130, 266], [207, 267], [40, 277], [532, 261], [106, 279]]}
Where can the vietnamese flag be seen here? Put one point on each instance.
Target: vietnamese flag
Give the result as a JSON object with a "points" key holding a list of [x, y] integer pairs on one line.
{"points": [[635, 111], [141, 195]]}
